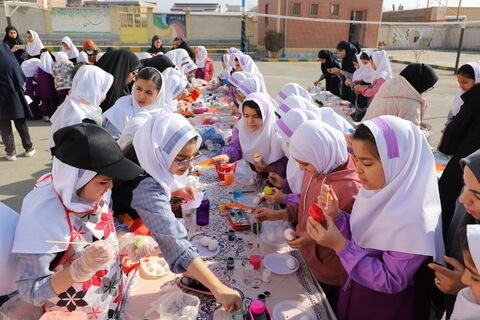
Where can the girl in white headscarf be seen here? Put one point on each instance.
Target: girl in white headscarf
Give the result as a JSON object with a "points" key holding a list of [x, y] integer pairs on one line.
{"points": [[179, 57], [395, 227], [46, 85], [189, 70], [89, 88], [62, 75], [34, 44], [245, 63], [467, 304], [293, 89], [83, 57], [70, 49], [148, 94], [380, 63], [29, 68], [175, 88], [256, 135], [165, 147]]}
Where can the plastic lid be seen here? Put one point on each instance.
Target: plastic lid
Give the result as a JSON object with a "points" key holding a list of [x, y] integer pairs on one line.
{"points": [[316, 212], [257, 307], [249, 267], [256, 155]]}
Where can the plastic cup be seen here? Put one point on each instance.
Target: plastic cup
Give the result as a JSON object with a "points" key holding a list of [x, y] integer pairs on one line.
{"points": [[256, 261], [228, 178], [237, 194]]}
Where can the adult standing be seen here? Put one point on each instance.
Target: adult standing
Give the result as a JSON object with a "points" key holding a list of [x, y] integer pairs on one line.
{"points": [[15, 43], [13, 105]]}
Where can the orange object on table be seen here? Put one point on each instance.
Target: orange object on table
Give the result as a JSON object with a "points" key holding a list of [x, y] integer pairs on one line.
{"points": [[194, 96], [207, 164], [439, 167], [228, 178]]}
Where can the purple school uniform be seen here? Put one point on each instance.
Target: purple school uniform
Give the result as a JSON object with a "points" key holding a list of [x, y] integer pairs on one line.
{"points": [[382, 284], [46, 92]]}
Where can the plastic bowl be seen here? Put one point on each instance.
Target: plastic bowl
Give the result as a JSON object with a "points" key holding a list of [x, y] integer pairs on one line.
{"points": [[174, 303]]}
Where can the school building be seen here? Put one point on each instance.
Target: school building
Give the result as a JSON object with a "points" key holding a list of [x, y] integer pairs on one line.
{"points": [[301, 37]]}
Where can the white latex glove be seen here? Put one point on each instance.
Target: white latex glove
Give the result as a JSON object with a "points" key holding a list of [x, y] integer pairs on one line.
{"points": [[137, 247], [93, 258]]}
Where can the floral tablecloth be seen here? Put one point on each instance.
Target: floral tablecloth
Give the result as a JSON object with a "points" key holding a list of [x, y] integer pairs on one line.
{"points": [[300, 286]]}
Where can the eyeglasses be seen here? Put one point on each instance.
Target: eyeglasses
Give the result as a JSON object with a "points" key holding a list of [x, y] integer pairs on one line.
{"points": [[186, 162]]}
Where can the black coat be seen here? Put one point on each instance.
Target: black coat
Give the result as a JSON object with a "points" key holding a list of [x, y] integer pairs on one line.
{"points": [[460, 139], [12, 81]]}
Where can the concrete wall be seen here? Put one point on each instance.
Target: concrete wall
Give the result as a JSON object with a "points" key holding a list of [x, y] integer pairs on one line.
{"points": [[215, 27], [26, 18]]}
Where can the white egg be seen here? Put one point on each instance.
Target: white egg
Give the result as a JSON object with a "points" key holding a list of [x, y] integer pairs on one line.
{"points": [[213, 244], [291, 263], [305, 318], [188, 311], [256, 200], [288, 234], [205, 241], [251, 180]]}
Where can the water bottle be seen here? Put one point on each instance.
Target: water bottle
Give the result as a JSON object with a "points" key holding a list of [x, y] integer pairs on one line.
{"points": [[203, 212]]}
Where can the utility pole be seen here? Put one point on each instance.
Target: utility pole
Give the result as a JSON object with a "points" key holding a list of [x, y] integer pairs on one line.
{"points": [[460, 41], [243, 40]]}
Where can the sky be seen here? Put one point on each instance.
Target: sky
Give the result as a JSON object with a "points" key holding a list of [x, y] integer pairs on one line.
{"points": [[413, 4]]}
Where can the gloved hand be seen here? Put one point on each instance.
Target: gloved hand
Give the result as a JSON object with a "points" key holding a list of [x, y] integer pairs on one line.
{"points": [[137, 247], [93, 258]]}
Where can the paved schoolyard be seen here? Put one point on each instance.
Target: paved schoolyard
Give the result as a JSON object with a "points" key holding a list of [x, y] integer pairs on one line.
{"points": [[17, 178]]}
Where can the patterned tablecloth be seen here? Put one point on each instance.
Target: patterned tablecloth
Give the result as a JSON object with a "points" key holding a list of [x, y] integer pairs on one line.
{"points": [[300, 286]]}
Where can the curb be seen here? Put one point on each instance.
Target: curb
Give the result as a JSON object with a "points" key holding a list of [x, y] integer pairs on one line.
{"points": [[133, 48], [434, 66], [286, 60]]}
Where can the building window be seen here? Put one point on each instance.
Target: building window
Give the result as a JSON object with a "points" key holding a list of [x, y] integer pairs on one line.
{"points": [[296, 9], [314, 9], [266, 12], [334, 10]]}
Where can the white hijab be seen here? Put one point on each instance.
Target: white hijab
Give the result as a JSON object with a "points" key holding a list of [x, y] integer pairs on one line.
{"points": [[384, 69], [158, 142], [72, 52], [296, 102], [8, 262], [189, 67], [61, 56], [126, 107], [175, 83], [99, 55], [405, 214], [43, 216], [265, 140], [319, 144], [248, 86], [91, 84], [466, 308], [178, 57], [248, 65], [83, 57], [238, 76], [458, 102], [226, 61], [365, 72], [286, 126], [46, 62], [33, 48], [293, 89], [202, 56], [29, 67], [145, 55], [330, 117]]}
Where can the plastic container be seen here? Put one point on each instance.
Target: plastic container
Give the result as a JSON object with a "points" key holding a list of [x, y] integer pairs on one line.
{"points": [[256, 261], [316, 212], [247, 280], [178, 306], [226, 168], [257, 158], [259, 311], [228, 178], [203, 212]]}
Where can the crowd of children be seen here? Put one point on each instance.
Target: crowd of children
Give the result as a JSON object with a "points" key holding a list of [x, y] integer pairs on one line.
{"points": [[395, 242]]}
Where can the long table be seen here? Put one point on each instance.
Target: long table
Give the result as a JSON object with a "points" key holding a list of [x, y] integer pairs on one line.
{"points": [[300, 286]]}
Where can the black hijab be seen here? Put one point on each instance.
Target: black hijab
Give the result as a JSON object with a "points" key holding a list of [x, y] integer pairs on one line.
{"points": [[153, 49], [184, 45], [331, 61], [11, 41], [160, 62], [420, 76], [11, 74], [473, 162], [119, 63], [350, 52]]}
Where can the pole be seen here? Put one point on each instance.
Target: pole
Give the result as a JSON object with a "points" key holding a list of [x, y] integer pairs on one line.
{"points": [[286, 29], [460, 41], [458, 9], [243, 39]]}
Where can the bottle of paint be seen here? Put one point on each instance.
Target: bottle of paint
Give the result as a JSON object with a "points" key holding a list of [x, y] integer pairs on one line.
{"points": [[203, 212]]}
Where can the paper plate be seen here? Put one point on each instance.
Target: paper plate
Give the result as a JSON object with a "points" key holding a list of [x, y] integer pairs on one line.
{"points": [[203, 251], [247, 200], [292, 310], [277, 263]]}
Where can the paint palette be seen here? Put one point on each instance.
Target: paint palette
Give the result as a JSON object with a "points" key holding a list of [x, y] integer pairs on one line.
{"points": [[153, 267]]}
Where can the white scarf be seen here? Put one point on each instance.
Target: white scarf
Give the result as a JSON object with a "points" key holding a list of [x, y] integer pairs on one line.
{"points": [[265, 140], [466, 308], [90, 84], [175, 83], [43, 215], [33, 48], [61, 56], [46, 62], [126, 107], [238, 76], [293, 89], [179, 57], [457, 101], [286, 126], [335, 120], [364, 71], [145, 55], [248, 65], [248, 86], [72, 52], [319, 144], [189, 67], [384, 69], [8, 262], [295, 102], [29, 67], [405, 214], [202, 57], [158, 142], [226, 61], [83, 57]]}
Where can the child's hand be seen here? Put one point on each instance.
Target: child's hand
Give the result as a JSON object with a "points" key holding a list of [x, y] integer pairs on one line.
{"points": [[348, 82], [302, 240], [260, 166], [277, 197], [265, 214], [220, 159], [359, 89], [186, 193], [329, 237], [449, 281], [276, 180], [332, 208]]}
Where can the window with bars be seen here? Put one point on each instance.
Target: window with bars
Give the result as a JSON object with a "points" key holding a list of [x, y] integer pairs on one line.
{"points": [[266, 12], [314, 9], [335, 8], [296, 9]]}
